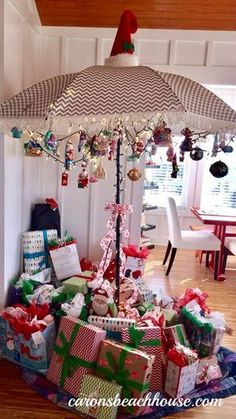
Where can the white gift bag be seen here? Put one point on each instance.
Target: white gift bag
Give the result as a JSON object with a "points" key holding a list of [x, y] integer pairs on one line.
{"points": [[65, 261]]}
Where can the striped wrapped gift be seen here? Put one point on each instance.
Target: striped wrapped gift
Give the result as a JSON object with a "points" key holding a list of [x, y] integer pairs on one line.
{"points": [[149, 340], [75, 353], [35, 249]]}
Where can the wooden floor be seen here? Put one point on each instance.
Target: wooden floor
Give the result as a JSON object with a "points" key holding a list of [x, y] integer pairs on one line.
{"points": [[18, 401]]}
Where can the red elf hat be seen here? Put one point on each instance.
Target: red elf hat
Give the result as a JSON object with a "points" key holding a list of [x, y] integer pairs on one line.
{"points": [[127, 26]]}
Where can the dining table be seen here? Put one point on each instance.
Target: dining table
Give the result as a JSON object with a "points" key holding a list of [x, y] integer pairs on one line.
{"points": [[220, 221]]}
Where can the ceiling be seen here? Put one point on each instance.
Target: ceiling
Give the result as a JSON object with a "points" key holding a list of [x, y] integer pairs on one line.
{"points": [[162, 14]]}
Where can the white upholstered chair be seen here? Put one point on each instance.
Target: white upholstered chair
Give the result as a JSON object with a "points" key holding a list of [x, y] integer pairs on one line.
{"points": [[230, 249], [187, 239]]}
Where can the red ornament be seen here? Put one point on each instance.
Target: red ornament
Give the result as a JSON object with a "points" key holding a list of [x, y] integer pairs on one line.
{"points": [[64, 179]]}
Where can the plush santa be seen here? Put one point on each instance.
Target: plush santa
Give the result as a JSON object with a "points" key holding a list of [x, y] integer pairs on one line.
{"points": [[100, 303]]}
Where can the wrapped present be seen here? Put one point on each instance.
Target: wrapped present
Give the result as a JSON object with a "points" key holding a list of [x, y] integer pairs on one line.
{"points": [[195, 294], [65, 259], [204, 333], [182, 366], [128, 367], [111, 323], [149, 340], [97, 388], [144, 308], [87, 275], [75, 353], [74, 307], [35, 249], [171, 317], [75, 285], [129, 292], [145, 296], [175, 334], [25, 340], [208, 370]]}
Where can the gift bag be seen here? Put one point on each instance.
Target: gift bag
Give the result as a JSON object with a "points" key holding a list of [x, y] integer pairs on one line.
{"points": [[34, 352], [65, 260], [35, 249]]}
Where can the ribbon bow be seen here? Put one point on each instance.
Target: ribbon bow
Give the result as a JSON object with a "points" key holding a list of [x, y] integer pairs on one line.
{"points": [[116, 371], [70, 362], [136, 338]]}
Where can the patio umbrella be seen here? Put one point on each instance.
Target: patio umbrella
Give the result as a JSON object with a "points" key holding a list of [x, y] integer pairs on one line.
{"points": [[100, 94]]}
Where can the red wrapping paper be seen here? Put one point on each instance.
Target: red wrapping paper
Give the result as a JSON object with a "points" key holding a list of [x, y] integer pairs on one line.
{"points": [[193, 294], [86, 346]]}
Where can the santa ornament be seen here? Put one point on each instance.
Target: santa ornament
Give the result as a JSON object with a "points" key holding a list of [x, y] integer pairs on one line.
{"points": [[123, 47]]}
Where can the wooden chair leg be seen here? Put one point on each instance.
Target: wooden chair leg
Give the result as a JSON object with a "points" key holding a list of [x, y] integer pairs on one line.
{"points": [[225, 256], [207, 259], [216, 265], [168, 249], [172, 258]]}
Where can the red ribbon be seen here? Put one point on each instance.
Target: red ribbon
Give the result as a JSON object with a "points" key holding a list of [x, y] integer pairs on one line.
{"points": [[191, 294]]}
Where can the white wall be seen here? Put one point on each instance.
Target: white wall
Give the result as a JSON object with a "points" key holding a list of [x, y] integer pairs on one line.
{"points": [[34, 53], [11, 211]]}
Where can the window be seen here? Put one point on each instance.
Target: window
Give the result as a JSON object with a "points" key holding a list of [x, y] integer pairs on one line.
{"points": [[159, 184]]}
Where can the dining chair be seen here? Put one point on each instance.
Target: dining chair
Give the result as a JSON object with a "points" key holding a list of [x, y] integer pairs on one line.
{"points": [[229, 249], [187, 239]]}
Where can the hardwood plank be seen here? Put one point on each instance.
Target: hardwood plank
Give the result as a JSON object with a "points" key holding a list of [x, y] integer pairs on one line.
{"points": [[168, 14], [18, 401]]}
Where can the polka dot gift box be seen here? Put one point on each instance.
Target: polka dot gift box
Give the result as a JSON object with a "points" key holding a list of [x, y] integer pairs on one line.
{"points": [[35, 249]]}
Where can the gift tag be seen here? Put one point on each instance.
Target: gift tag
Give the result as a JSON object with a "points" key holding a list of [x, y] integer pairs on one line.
{"points": [[37, 338]]}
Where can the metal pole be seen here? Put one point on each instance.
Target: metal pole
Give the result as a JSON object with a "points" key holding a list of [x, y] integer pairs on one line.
{"points": [[118, 181]]}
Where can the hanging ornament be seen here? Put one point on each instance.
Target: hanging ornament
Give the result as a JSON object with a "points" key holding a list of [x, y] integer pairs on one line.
{"points": [[196, 154], [215, 147], [181, 156], [82, 140], [153, 149], [162, 135], [113, 144], [187, 143], [219, 169], [57, 151], [32, 148], [170, 153], [225, 148], [69, 155], [83, 179], [100, 171], [93, 179], [50, 141], [64, 179], [134, 174], [16, 132], [175, 168]]}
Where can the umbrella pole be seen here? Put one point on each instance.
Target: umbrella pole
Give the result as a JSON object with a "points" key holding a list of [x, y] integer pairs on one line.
{"points": [[118, 182]]}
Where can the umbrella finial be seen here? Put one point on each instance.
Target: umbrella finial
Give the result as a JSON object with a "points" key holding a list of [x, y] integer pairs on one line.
{"points": [[123, 47]]}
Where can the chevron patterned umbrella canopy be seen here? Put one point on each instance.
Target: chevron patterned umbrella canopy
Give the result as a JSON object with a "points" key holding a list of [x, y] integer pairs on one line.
{"points": [[107, 92]]}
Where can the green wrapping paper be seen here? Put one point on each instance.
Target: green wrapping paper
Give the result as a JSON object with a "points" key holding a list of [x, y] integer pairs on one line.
{"points": [[93, 387], [75, 285], [202, 336], [128, 367]]}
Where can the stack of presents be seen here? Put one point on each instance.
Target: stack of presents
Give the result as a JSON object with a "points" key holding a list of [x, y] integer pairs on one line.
{"points": [[63, 320]]}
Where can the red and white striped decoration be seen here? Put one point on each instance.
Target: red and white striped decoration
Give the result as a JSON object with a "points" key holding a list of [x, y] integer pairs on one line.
{"points": [[86, 346], [156, 383]]}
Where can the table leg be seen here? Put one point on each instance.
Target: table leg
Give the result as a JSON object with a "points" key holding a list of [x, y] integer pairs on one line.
{"points": [[219, 231]]}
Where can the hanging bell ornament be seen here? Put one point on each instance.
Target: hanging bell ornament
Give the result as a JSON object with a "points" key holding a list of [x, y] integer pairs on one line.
{"points": [[225, 148], [219, 169], [196, 154], [134, 174]]}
